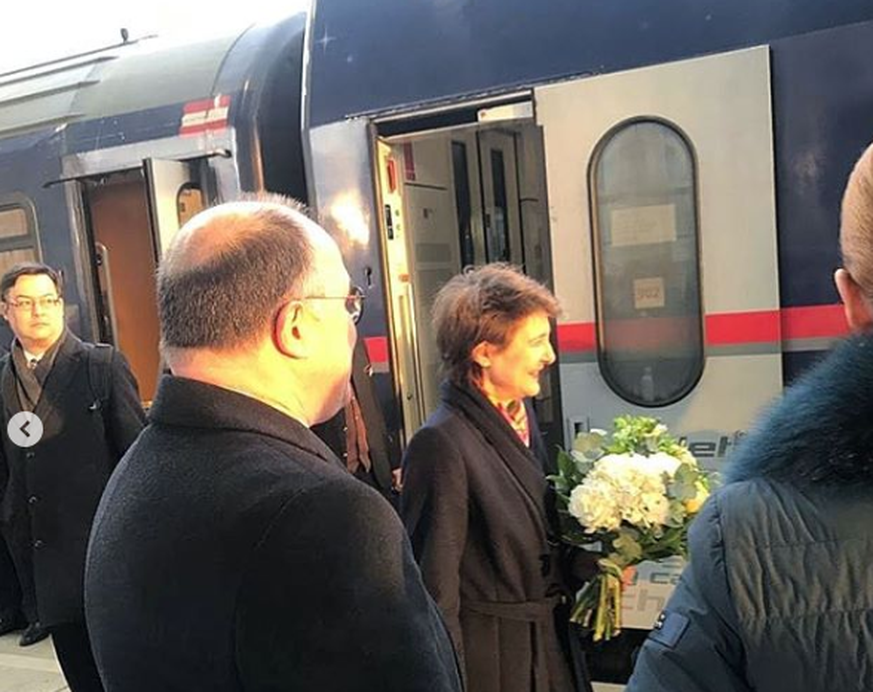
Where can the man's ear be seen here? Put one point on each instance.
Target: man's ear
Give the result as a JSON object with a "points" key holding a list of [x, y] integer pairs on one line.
{"points": [[855, 304], [291, 332]]}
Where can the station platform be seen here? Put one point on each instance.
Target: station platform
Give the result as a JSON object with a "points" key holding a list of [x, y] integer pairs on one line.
{"points": [[29, 669]]}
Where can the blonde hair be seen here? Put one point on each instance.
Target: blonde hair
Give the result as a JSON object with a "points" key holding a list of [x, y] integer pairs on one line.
{"points": [[856, 226]]}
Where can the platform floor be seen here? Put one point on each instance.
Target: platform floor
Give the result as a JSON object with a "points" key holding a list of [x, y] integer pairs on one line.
{"points": [[29, 669]]}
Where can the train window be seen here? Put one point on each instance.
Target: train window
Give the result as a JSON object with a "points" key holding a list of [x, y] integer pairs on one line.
{"points": [[498, 235], [13, 222], [644, 209], [463, 203], [17, 242], [188, 203]]}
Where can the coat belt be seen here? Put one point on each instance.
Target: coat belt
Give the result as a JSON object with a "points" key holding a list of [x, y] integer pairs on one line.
{"points": [[540, 614], [521, 611]]}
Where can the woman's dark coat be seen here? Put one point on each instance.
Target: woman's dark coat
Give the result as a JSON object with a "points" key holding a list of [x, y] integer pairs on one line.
{"points": [[52, 488], [778, 594], [474, 503]]}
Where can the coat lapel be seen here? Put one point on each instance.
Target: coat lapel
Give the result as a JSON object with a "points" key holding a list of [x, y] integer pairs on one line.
{"points": [[518, 459], [66, 363]]}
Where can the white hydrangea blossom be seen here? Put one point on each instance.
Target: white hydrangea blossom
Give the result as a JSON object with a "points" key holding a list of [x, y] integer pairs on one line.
{"points": [[624, 487]]}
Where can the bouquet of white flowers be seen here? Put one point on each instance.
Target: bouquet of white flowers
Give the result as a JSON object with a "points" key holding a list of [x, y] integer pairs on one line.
{"points": [[629, 497]]}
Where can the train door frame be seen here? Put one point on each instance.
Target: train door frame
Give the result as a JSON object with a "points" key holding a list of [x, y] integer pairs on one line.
{"points": [[485, 119]]}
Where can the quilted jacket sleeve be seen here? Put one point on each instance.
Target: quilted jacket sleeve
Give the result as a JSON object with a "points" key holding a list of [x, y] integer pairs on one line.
{"points": [[695, 646]]}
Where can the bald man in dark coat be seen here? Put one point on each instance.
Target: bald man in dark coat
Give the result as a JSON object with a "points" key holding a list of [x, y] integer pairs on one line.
{"points": [[232, 550]]}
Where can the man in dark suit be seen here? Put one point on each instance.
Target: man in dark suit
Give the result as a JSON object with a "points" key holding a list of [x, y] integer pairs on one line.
{"points": [[52, 482], [232, 550]]}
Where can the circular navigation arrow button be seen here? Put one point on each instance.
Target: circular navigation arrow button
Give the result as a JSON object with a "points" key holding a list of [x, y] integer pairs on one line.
{"points": [[24, 429]]}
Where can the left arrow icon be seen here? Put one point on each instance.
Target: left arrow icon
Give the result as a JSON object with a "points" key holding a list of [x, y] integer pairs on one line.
{"points": [[24, 429]]}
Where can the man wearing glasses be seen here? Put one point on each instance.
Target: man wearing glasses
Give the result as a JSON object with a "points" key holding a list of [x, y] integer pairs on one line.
{"points": [[69, 412], [232, 550]]}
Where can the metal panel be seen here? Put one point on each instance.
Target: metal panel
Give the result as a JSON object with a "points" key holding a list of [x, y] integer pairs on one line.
{"points": [[138, 80], [823, 103], [440, 49], [722, 104], [130, 156], [342, 189], [122, 79]]}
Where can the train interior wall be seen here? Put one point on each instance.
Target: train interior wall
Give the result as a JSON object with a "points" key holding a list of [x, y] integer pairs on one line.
{"points": [[472, 195]]}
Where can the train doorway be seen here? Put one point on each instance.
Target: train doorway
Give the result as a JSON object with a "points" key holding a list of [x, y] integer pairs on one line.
{"points": [[131, 216], [454, 198]]}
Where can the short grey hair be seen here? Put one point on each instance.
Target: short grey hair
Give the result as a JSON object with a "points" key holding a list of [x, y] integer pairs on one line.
{"points": [[227, 296]]}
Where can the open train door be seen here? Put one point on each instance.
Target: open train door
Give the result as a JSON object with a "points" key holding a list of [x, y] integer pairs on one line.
{"points": [[133, 214], [401, 286], [662, 214]]}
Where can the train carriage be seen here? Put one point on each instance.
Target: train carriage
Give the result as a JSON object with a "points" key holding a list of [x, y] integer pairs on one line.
{"points": [[672, 170]]}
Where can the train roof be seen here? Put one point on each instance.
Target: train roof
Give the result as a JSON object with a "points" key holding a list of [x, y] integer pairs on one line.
{"points": [[119, 79], [138, 76]]}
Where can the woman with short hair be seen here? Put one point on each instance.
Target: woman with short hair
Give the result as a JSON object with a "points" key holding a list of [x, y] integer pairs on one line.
{"points": [[474, 498]]}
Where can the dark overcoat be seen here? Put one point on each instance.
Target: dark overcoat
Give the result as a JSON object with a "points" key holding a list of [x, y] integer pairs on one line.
{"points": [[474, 503], [233, 551], [53, 487], [778, 593], [10, 592]]}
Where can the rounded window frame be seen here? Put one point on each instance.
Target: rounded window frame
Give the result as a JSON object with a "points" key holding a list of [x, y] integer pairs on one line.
{"points": [[596, 259], [29, 241]]}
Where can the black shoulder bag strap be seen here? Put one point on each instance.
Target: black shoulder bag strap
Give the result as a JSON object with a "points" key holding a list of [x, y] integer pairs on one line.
{"points": [[99, 374]]}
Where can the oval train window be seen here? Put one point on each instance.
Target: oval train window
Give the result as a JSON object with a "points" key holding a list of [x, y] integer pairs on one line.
{"points": [[646, 255]]}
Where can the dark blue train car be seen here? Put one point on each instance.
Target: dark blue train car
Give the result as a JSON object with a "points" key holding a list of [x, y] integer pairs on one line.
{"points": [[672, 169]]}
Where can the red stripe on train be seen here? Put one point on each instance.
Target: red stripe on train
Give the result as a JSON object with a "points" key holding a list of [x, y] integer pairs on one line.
{"points": [[576, 337], [205, 115], [220, 101], [724, 329], [377, 349], [814, 322], [732, 328]]}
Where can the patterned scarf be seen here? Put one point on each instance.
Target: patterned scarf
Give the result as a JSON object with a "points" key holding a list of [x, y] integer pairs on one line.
{"points": [[515, 414]]}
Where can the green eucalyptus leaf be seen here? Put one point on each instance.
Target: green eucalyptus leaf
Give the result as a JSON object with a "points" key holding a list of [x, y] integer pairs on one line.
{"points": [[627, 546]]}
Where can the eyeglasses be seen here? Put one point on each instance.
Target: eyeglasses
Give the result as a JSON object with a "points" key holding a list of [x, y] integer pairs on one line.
{"points": [[27, 304], [354, 302]]}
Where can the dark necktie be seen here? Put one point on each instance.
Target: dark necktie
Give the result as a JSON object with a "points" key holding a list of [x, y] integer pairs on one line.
{"points": [[32, 363]]}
